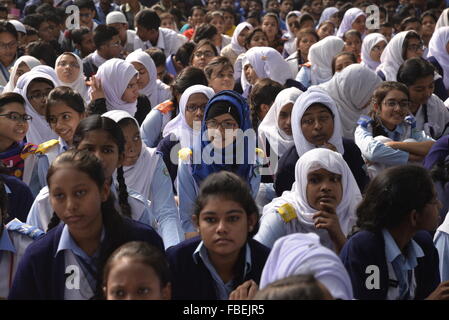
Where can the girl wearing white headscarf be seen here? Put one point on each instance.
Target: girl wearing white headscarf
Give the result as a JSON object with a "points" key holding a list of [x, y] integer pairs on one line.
{"points": [[320, 58], [155, 90], [79, 84], [24, 61], [302, 253], [290, 44], [348, 22], [327, 14], [147, 176], [352, 89], [371, 44], [292, 212], [438, 54], [443, 20], [237, 45], [265, 62]]}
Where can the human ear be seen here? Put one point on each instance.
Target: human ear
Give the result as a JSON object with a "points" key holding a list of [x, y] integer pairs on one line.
{"points": [[252, 221], [413, 218]]}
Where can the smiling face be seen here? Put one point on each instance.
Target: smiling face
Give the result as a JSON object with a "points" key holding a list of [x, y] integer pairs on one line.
{"points": [[12, 131], [37, 93], [133, 145], [64, 120], [421, 90], [68, 69], [222, 79], [325, 30], [390, 111], [323, 187], [317, 124]]}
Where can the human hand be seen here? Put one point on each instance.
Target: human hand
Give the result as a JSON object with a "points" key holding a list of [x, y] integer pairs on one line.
{"points": [[97, 89], [245, 291], [327, 219], [441, 292]]}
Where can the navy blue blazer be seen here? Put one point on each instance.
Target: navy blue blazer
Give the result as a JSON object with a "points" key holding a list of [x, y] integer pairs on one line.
{"points": [[285, 175], [40, 276], [367, 248], [193, 281], [20, 199]]}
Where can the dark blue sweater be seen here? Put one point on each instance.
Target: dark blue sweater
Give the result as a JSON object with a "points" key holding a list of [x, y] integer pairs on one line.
{"points": [[20, 199], [367, 248], [193, 281], [40, 276]]}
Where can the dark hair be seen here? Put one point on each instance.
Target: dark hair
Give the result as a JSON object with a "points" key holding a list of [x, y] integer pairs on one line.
{"points": [[264, 91], [89, 164], [295, 287], [378, 97], [221, 63], [77, 34], [409, 20], [303, 33], [35, 20], [430, 13], [305, 17], [205, 31], [8, 27], [211, 15], [392, 195], [85, 4], [97, 122], [184, 53], [253, 15], [43, 51], [414, 69], [410, 35], [143, 253], [231, 11], [274, 16], [66, 95], [197, 8], [344, 53], [157, 55], [30, 30], [251, 34], [148, 19], [202, 43], [229, 186], [352, 32], [3, 9], [103, 34], [11, 97], [188, 77]]}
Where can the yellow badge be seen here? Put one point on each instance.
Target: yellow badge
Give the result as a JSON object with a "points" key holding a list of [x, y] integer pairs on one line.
{"points": [[185, 154], [287, 212], [260, 153], [44, 147], [18, 173]]}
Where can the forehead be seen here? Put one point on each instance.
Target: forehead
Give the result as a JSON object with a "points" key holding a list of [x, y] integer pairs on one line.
{"points": [[197, 98], [224, 117], [316, 108], [395, 94], [220, 204], [66, 176], [39, 85], [68, 56], [98, 137], [425, 81], [321, 172], [12, 107]]}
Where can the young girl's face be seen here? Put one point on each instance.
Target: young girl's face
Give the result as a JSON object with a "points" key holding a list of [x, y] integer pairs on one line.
{"points": [[202, 56], [68, 69], [323, 187], [393, 109], [415, 49], [359, 24], [219, 23], [76, 198], [270, 26], [342, 62], [326, 29], [259, 39], [229, 20], [133, 145], [428, 26], [144, 76], [353, 44], [194, 110], [64, 120], [37, 93], [131, 279], [100, 143], [250, 74], [377, 50], [222, 79], [132, 91], [305, 43], [22, 69], [12, 127], [221, 130], [197, 17], [224, 226], [284, 119], [293, 23], [242, 36], [317, 124]]}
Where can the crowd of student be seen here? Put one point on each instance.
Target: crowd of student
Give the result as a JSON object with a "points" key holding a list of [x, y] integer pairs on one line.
{"points": [[278, 149]]}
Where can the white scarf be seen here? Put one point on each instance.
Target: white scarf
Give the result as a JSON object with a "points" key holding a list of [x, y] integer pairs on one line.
{"points": [[352, 89], [139, 176], [39, 130], [79, 85], [348, 19], [327, 14], [368, 44], [391, 58], [30, 61], [443, 20], [269, 129], [178, 125], [437, 49], [320, 57], [290, 34], [311, 96], [236, 47], [115, 75], [267, 63]]}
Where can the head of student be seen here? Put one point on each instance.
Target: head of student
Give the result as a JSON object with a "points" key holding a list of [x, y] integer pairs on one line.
{"points": [[147, 25], [13, 119], [136, 271], [220, 74], [9, 43], [107, 42], [83, 39], [203, 53], [342, 60]]}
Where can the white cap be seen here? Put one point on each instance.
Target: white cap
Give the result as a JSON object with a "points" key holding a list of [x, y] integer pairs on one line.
{"points": [[115, 17], [18, 25]]}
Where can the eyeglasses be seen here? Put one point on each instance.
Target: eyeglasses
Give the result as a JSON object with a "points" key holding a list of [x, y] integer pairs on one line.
{"points": [[71, 64], [404, 104], [17, 117], [39, 95], [10, 45], [207, 54], [416, 47], [227, 124], [193, 108]]}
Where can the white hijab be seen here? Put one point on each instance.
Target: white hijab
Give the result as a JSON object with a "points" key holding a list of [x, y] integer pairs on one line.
{"points": [[348, 19], [39, 130], [267, 63], [151, 90], [352, 89], [320, 57], [178, 125], [443, 20], [290, 34], [79, 85], [269, 129], [139, 176], [437, 49], [30, 61], [315, 159], [115, 74], [391, 58], [48, 71], [311, 96], [302, 253], [236, 47], [368, 44], [327, 14]]}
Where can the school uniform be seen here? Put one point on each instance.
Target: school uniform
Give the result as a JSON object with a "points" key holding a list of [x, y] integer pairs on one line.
{"points": [[368, 43], [169, 148], [65, 271], [438, 57], [91, 63], [433, 117], [19, 159], [14, 239], [195, 278], [393, 276], [20, 198], [154, 123], [168, 41]]}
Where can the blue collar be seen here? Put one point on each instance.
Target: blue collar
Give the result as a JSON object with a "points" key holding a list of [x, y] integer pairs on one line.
{"points": [[392, 252], [66, 242], [5, 242]]}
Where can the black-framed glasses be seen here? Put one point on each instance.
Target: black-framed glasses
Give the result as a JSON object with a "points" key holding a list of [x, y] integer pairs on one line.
{"points": [[416, 47], [403, 104], [206, 54], [226, 125], [15, 116], [39, 95], [193, 108]]}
